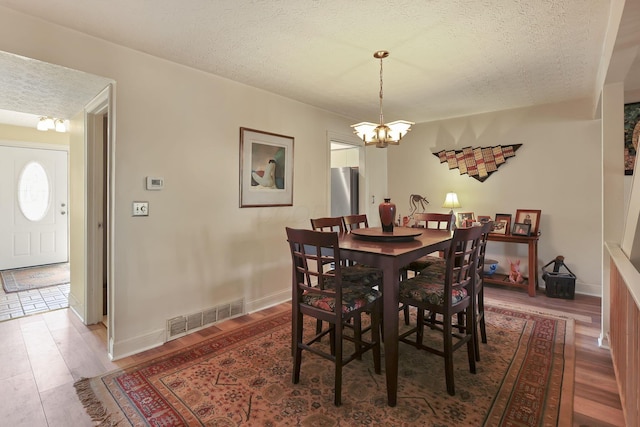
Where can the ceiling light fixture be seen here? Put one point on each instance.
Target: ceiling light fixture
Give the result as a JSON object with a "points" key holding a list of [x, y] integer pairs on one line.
{"points": [[42, 124], [381, 135], [50, 123], [60, 126]]}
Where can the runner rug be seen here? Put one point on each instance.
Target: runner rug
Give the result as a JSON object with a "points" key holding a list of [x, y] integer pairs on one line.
{"points": [[25, 279], [243, 378]]}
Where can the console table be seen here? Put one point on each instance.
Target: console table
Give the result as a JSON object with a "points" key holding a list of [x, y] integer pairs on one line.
{"points": [[530, 283]]}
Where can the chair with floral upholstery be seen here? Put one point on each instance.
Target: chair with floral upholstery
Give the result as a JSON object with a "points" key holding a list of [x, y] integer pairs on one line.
{"points": [[328, 297], [356, 273], [447, 292], [427, 220]]}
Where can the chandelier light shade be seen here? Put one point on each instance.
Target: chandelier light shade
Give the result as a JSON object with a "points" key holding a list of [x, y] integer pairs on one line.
{"points": [[381, 135]]}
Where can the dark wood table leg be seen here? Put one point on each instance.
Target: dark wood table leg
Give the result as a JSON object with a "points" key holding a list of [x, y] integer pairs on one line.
{"points": [[390, 327]]}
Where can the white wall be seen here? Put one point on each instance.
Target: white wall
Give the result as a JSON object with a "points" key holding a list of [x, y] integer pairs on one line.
{"points": [[557, 170], [197, 248]]}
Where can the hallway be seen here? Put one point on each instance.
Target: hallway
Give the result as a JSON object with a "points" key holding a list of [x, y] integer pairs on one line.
{"points": [[36, 301]]}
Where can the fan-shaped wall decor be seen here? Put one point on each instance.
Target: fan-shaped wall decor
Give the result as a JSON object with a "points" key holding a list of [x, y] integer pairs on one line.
{"points": [[479, 162]]}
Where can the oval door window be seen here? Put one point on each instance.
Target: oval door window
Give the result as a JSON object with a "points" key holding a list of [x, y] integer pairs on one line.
{"points": [[33, 191]]}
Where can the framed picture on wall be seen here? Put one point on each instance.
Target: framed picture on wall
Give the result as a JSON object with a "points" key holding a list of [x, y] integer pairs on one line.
{"points": [[631, 135], [529, 216], [266, 169]]}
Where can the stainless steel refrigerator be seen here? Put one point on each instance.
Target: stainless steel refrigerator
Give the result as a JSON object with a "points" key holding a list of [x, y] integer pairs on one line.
{"points": [[344, 191]]}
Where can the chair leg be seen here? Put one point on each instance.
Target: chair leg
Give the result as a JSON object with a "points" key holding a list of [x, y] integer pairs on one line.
{"points": [[337, 339], [472, 339], [297, 350], [419, 327], [406, 314], [483, 327], [357, 335], [447, 330], [375, 337]]}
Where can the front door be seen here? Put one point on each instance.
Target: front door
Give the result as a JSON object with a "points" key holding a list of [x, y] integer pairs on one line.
{"points": [[33, 207]]}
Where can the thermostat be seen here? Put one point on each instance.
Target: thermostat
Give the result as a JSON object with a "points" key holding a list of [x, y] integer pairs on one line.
{"points": [[155, 183]]}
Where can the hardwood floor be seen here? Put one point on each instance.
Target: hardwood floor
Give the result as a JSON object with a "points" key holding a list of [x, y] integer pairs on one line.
{"points": [[42, 355]]}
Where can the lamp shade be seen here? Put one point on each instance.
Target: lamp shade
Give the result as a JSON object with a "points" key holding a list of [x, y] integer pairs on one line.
{"points": [[451, 201]]}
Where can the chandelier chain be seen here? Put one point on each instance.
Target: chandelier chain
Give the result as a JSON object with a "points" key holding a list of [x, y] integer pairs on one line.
{"points": [[381, 95]]}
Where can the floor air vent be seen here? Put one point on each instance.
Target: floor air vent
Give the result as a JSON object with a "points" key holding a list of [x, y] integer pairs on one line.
{"points": [[183, 325]]}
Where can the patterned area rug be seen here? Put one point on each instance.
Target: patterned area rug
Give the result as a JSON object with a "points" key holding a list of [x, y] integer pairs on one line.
{"points": [[24, 279], [243, 378]]}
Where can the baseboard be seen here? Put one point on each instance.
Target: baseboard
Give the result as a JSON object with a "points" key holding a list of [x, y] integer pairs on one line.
{"points": [[268, 301], [136, 345]]}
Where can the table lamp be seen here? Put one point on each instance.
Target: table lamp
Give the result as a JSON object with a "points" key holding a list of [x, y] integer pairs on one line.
{"points": [[451, 202]]}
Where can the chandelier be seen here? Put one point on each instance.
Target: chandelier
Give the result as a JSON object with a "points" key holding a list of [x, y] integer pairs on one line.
{"points": [[381, 135]]}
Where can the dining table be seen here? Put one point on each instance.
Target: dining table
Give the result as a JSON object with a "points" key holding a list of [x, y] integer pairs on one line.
{"points": [[390, 251]]}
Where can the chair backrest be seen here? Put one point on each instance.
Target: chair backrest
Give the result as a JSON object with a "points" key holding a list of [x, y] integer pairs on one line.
{"points": [[352, 222], [328, 224], [482, 248], [433, 220], [462, 259], [310, 250]]}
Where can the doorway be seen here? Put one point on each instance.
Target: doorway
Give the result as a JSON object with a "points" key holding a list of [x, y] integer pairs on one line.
{"points": [[347, 186], [34, 215]]}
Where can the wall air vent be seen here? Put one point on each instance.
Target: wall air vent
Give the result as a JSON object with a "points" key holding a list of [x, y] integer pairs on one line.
{"points": [[194, 321], [183, 325], [176, 326]]}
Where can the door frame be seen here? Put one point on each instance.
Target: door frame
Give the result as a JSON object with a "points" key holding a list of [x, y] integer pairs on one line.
{"points": [[363, 183], [97, 169]]}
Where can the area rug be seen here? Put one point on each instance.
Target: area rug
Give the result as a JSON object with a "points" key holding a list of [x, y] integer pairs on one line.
{"points": [[243, 378], [24, 279]]}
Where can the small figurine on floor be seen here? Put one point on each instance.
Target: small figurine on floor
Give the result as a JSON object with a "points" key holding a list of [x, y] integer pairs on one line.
{"points": [[514, 275]]}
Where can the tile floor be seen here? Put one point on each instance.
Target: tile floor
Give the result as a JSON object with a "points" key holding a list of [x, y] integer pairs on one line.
{"points": [[25, 303]]}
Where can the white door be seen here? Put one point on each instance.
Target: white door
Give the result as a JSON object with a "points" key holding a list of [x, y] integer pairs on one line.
{"points": [[33, 207]]}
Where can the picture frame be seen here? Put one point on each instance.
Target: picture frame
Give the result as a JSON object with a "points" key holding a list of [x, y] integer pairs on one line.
{"points": [[270, 154], [529, 216], [465, 219], [502, 224], [631, 135], [521, 229], [483, 219]]}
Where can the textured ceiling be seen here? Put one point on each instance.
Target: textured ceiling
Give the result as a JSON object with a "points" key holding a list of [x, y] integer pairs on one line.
{"points": [[448, 57]]}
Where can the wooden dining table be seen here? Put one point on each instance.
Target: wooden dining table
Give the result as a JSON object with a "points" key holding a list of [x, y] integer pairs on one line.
{"points": [[390, 254]]}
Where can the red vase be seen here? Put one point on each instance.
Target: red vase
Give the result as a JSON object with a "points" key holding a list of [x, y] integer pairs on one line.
{"points": [[387, 212]]}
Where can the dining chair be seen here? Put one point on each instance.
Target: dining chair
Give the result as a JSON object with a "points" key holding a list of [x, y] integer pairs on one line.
{"points": [[427, 220], [478, 301], [351, 272], [332, 223], [351, 222], [447, 292], [328, 297]]}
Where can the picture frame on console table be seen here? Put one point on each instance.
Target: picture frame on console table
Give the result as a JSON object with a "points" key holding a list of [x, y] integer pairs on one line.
{"points": [[521, 229], [502, 224], [529, 216], [266, 169], [465, 219]]}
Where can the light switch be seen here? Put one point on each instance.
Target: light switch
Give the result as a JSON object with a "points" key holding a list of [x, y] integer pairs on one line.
{"points": [[140, 208]]}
